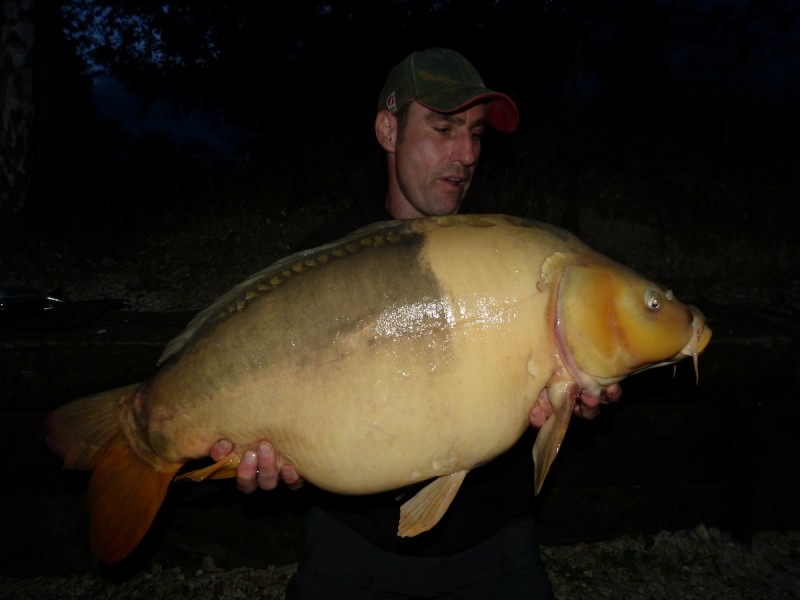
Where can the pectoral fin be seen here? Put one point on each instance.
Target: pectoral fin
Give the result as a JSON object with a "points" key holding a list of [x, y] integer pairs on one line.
{"points": [[224, 468], [550, 436], [424, 510]]}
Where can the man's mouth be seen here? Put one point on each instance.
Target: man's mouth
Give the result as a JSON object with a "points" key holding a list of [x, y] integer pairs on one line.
{"points": [[454, 180]]}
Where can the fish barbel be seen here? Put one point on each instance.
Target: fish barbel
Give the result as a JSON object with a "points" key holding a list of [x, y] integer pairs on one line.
{"points": [[405, 352]]}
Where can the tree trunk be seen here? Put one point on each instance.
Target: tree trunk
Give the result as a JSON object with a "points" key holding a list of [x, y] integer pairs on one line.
{"points": [[16, 105]]}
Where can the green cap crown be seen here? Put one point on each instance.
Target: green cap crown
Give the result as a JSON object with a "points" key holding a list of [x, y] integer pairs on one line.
{"points": [[446, 82]]}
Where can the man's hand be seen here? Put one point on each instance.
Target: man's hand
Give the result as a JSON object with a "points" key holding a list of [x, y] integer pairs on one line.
{"points": [[587, 405], [258, 468]]}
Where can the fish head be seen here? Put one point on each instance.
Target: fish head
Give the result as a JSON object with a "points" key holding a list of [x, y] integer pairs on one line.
{"points": [[612, 322]]}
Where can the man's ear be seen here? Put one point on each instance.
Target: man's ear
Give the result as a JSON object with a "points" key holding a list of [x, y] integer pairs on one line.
{"points": [[386, 130]]}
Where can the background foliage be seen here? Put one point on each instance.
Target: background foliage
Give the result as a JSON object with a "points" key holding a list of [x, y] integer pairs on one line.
{"points": [[650, 84]]}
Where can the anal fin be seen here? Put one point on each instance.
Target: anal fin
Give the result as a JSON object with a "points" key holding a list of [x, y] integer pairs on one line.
{"points": [[424, 510]]}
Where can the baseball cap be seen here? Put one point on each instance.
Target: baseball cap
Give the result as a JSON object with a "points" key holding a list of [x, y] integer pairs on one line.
{"points": [[444, 81]]}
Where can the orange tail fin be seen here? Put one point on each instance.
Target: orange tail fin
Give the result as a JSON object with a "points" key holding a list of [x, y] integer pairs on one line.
{"points": [[125, 492]]}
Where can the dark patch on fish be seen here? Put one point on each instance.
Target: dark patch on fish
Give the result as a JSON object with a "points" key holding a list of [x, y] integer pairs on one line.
{"points": [[383, 248]]}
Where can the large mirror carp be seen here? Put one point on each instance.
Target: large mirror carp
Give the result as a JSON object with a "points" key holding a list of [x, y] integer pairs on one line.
{"points": [[407, 351]]}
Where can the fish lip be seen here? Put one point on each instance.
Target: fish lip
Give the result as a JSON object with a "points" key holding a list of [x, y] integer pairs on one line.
{"points": [[701, 335]]}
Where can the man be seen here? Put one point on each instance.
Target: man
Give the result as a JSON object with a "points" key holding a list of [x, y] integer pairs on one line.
{"points": [[432, 113]]}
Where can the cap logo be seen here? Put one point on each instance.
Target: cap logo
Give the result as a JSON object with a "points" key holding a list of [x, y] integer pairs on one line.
{"points": [[391, 102]]}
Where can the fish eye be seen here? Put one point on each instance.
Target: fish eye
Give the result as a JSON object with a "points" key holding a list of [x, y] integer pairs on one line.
{"points": [[653, 300]]}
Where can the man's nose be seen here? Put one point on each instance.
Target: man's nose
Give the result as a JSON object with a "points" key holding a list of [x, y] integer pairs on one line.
{"points": [[465, 150]]}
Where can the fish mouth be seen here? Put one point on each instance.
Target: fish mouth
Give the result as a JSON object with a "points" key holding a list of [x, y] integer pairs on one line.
{"points": [[701, 335]]}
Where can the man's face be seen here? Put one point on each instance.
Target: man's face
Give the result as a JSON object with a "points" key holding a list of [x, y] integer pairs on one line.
{"points": [[435, 158]]}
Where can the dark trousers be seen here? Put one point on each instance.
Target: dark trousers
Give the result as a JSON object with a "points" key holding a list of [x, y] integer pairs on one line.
{"points": [[337, 563]]}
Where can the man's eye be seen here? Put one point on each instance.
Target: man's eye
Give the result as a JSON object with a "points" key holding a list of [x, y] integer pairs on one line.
{"points": [[441, 129]]}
